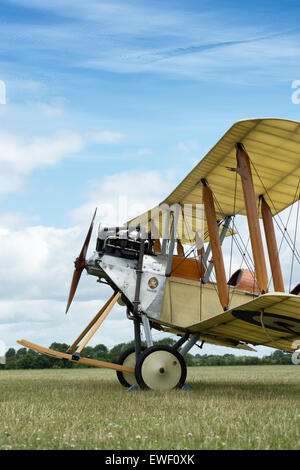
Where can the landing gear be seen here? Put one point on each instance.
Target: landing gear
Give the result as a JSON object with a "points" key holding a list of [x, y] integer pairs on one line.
{"points": [[127, 359], [160, 368]]}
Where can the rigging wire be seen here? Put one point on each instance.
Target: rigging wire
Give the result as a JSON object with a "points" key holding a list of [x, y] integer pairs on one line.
{"points": [[192, 249], [246, 257], [233, 288], [249, 262], [244, 252], [284, 232], [284, 227], [283, 237], [233, 219]]}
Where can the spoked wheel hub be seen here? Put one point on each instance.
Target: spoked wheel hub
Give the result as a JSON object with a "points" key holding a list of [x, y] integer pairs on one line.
{"points": [[160, 368]]}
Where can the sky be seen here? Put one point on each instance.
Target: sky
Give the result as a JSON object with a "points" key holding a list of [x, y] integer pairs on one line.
{"points": [[110, 104]]}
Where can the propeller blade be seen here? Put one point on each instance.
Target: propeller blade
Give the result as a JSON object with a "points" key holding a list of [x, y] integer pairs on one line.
{"points": [[74, 284], [87, 240], [80, 264]]}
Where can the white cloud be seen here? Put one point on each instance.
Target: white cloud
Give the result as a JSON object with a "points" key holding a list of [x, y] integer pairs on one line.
{"points": [[37, 261], [20, 154], [106, 137], [25, 85], [122, 196], [188, 147], [16, 219], [44, 321], [144, 152], [53, 109]]}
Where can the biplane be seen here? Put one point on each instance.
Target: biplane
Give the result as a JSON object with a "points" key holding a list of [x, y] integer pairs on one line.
{"points": [[167, 266]]}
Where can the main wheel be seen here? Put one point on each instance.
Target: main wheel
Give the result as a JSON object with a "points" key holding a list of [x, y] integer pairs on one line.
{"points": [[160, 368], [127, 359]]}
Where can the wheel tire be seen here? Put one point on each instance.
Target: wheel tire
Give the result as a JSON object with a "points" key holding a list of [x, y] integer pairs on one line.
{"points": [[160, 368], [127, 359]]}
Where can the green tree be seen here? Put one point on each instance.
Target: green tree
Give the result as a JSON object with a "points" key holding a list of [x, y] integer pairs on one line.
{"points": [[59, 363], [116, 351], [21, 353], [100, 352], [10, 354], [278, 354], [61, 347]]}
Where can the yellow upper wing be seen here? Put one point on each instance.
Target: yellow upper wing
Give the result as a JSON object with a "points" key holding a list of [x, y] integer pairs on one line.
{"points": [[273, 146]]}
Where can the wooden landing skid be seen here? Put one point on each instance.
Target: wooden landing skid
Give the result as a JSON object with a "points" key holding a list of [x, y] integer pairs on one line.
{"points": [[85, 336], [81, 360]]}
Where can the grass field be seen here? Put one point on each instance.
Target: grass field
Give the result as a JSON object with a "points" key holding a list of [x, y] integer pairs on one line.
{"points": [[254, 407]]}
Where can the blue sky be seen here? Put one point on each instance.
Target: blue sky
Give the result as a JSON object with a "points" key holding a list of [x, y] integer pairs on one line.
{"points": [[105, 99]]}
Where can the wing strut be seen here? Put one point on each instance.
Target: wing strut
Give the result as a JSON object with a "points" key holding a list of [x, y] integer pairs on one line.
{"points": [[272, 246], [214, 236], [244, 170], [208, 271]]}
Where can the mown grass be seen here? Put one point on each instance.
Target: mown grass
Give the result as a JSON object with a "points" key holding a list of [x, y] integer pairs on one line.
{"points": [[253, 407]]}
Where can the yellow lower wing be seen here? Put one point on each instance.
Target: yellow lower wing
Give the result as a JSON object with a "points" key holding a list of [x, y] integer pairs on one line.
{"points": [[271, 319]]}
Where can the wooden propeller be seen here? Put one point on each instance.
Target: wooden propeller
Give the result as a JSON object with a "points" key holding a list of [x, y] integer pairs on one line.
{"points": [[80, 264]]}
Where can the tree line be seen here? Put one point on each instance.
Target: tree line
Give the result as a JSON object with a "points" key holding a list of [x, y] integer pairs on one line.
{"points": [[24, 358]]}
